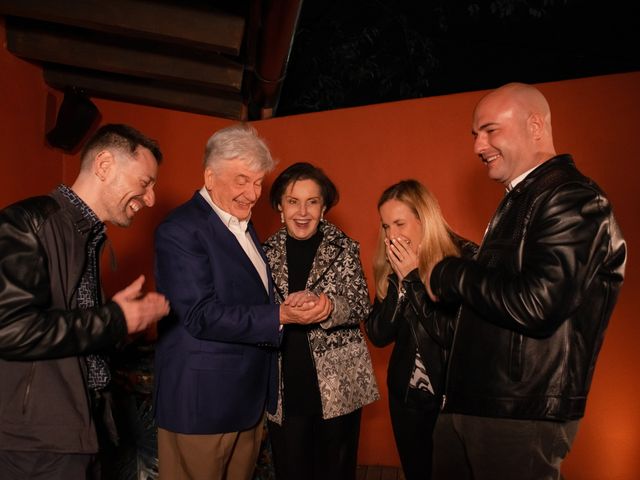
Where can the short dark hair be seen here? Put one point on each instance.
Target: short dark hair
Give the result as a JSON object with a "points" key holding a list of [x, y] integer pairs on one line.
{"points": [[303, 171], [118, 135]]}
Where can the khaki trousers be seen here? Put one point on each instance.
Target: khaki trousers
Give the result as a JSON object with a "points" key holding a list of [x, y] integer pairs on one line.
{"points": [[221, 456]]}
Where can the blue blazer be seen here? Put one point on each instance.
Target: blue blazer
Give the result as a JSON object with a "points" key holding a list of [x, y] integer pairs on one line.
{"points": [[215, 366]]}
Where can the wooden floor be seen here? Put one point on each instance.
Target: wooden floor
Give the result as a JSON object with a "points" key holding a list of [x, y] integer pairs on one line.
{"points": [[378, 472]]}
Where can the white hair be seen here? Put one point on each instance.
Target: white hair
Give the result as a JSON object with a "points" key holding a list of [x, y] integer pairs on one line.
{"points": [[239, 141]]}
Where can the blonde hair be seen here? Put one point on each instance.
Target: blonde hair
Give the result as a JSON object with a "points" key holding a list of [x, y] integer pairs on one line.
{"points": [[437, 238]]}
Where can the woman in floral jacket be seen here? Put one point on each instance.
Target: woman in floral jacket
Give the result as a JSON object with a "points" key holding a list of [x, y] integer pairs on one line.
{"points": [[326, 374]]}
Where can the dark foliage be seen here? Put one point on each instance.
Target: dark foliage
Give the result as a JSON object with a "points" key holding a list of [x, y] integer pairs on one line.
{"points": [[355, 52]]}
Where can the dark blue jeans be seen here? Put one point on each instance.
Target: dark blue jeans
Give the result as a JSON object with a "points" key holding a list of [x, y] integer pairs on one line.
{"points": [[481, 448]]}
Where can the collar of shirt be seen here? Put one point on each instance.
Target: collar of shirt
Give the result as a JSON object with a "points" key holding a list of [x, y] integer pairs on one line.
{"points": [[519, 178], [239, 230], [96, 226], [229, 220]]}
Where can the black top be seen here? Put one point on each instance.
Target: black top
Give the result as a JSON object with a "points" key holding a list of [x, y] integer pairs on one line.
{"points": [[301, 392]]}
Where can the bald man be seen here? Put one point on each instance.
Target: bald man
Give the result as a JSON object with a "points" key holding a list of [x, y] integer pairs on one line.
{"points": [[536, 301]]}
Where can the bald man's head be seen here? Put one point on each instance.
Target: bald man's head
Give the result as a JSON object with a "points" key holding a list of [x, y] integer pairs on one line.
{"points": [[512, 129], [526, 98]]}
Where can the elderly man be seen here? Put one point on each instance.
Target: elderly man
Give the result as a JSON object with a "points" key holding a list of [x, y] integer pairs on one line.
{"points": [[536, 301], [215, 359], [53, 321]]}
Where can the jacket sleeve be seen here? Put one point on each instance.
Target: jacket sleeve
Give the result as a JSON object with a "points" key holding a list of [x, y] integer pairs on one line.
{"points": [[385, 317], [431, 315], [30, 329], [351, 301], [192, 282], [566, 242]]}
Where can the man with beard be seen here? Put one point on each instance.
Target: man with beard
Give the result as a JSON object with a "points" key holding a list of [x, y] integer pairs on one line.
{"points": [[54, 321]]}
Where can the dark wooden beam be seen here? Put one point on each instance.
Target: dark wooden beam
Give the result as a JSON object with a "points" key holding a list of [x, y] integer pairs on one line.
{"points": [[116, 87], [46, 44], [278, 23], [173, 23]]}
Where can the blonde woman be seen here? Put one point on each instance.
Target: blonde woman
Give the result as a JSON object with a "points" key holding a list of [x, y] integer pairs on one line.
{"points": [[413, 237]]}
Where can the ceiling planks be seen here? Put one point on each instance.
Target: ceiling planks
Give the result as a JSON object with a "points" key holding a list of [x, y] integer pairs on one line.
{"points": [[147, 92], [179, 23], [38, 42], [191, 55]]}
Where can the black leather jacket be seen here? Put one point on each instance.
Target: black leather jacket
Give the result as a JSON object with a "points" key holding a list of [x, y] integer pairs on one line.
{"points": [[536, 301], [44, 402], [413, 322]]}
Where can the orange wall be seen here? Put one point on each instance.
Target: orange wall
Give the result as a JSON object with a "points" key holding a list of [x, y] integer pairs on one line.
{"points": [[366, 149], [27, 165]]}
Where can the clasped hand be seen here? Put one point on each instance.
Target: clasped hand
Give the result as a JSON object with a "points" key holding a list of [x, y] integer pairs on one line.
{"points": [[401, 256], [305, 307]]}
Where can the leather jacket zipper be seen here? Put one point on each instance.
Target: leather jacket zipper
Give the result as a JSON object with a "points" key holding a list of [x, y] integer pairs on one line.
{"points": [[413, 365], [453, 345], [394, 317], [504, 204], [27, 392]]}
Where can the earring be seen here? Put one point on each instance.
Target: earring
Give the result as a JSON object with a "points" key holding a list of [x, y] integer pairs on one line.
{"points": [[281, 217], [322, 215]]}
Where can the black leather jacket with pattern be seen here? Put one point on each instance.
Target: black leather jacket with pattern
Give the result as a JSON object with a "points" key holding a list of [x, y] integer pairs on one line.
{"points": [[44, 401], [536, 300]]}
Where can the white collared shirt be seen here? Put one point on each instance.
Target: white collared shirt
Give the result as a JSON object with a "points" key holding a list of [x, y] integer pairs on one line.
{"points": [[239, 230], [519, 178]]}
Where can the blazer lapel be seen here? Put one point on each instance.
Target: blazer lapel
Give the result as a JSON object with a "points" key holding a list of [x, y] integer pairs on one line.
{"points": [[258, 245], [229, 243]]}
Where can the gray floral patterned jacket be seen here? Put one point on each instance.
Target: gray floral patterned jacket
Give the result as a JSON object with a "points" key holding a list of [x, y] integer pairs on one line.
{"points": [[340, 355]]}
